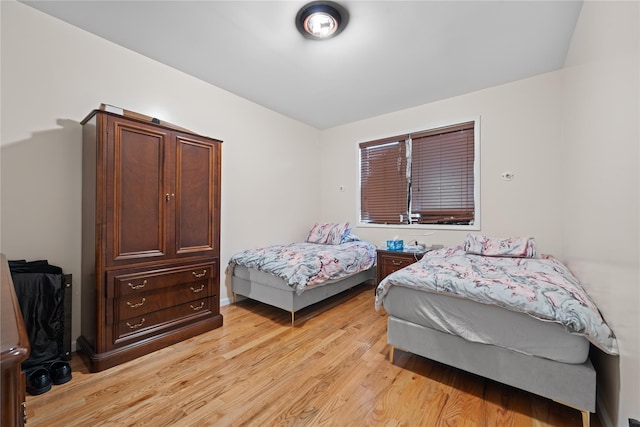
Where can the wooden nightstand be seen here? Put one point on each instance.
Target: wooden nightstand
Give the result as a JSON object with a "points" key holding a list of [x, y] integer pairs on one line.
{"points": [[390, 261]]}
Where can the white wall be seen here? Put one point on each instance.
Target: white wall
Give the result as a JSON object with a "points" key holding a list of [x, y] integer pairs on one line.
{"points": [[519, 132], [601, 207], [54, 74]]}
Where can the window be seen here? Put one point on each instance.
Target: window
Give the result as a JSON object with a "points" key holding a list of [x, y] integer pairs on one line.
{"points": [[428, 177]]}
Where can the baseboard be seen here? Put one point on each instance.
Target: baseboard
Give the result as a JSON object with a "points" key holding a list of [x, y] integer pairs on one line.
{"points": [[601, 411]]}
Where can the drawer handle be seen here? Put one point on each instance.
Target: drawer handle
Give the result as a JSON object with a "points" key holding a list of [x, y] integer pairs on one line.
{"points": [[199, 275], [195, 291], [132, 286], [200, 307], [396, 262], [137, 325], [137, 304]]}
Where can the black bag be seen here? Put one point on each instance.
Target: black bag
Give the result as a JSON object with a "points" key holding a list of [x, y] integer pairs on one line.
{"points": [[40, 291]]}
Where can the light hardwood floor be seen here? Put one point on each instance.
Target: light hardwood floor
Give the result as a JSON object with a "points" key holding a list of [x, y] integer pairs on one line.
{"points": [[331, 369]]}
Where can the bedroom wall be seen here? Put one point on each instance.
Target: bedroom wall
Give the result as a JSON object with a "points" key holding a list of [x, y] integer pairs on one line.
{"points": [[601, 209], [519, 132], [54, 74]]}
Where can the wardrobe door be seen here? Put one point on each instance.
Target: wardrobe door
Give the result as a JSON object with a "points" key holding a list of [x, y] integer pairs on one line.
{"points": [[197, 192], [138, 193]]}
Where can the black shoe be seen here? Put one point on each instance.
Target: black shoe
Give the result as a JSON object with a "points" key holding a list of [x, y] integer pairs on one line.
{"points": [[60, 372], [38, 381]]}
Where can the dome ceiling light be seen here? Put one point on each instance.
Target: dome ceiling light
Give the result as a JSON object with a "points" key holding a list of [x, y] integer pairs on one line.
{"points": [[321, 20]]}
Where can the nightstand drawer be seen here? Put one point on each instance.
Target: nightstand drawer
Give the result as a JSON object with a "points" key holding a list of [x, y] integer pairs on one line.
{"points": [[391, 261], [395, 263]]}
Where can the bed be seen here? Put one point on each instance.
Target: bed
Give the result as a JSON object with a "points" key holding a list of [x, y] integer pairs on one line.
{"points": [[492, 308], [296, 275]]}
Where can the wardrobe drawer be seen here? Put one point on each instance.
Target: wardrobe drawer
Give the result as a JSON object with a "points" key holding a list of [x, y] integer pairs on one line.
{"points": [[132, 305], [167, 318], [131, 282]]}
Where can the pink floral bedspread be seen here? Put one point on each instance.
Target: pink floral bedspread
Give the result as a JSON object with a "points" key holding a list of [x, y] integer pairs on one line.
{"points": [[303, 265], [540, 287]]}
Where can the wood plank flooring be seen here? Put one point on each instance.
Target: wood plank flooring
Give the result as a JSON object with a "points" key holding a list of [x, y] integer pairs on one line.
{"points": [[331, 369]]}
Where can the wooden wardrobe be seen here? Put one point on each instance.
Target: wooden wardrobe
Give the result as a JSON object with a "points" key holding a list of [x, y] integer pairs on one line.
{"points": [[150, 236]]}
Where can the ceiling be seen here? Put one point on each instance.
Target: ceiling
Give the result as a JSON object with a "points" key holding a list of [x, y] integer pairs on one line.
{"points": [[392, 55]]}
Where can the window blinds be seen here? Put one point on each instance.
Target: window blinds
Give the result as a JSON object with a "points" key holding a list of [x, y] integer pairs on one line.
{"points": [[383, 181], [442, 175], [425, 177]]}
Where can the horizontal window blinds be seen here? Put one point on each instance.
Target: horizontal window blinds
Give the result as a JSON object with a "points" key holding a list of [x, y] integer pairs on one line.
{"points": [[383, 181], [442, 175]]}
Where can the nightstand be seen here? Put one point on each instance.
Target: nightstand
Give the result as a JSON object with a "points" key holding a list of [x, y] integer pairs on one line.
{"points": [[390, 261]]}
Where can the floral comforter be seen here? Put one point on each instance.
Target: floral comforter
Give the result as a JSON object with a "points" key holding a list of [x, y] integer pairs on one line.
{"points": [[303, 265], [540, 287]]}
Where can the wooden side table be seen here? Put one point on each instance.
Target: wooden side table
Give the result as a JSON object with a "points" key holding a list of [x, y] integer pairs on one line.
{"points": [[390, 261]]}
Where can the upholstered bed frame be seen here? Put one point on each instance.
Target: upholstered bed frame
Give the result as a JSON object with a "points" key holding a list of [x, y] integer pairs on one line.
{"points": [[272, 290], [573, 385]]}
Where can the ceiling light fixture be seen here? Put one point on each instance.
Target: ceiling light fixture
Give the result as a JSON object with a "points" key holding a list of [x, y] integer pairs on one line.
{"points": [[321, 20]]}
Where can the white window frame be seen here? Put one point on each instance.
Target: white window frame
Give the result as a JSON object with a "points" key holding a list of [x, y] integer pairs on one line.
{"points": [[476, 182]]}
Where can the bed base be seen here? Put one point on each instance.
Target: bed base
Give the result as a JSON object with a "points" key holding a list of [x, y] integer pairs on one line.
{"points": [[285, 298], [572, 385]]}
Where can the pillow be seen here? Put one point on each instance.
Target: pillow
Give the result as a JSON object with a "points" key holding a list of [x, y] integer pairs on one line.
{"points": [[518, 247], [348, 237], [328, 233]]}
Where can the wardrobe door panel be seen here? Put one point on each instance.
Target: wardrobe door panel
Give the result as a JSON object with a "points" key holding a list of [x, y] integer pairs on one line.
{"points": [[196, 213], [137, 203]]}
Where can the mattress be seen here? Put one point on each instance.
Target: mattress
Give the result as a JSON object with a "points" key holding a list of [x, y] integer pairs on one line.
{"points": [[487, 324]]}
